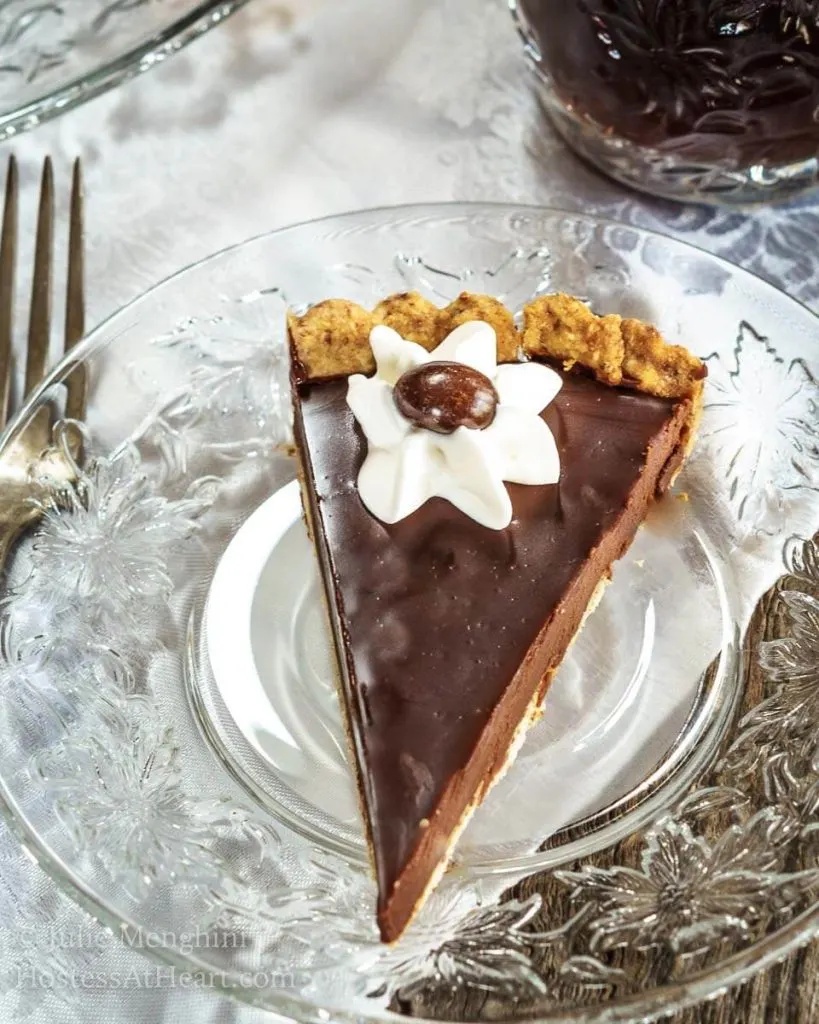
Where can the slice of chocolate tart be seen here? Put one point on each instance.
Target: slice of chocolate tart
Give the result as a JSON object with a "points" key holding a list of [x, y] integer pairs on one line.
{"points": [[468, 486]]}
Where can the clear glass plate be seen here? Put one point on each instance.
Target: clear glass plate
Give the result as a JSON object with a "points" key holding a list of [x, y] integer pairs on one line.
{"points": [[54, 56], [172, 751]]}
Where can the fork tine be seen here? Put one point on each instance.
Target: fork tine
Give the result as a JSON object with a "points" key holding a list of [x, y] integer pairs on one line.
{"points": [[8, 245], [40, 316], [75, 300]]}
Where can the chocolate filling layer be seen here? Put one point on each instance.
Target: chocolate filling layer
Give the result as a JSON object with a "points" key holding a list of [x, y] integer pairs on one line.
{"points": [[446, 630]]}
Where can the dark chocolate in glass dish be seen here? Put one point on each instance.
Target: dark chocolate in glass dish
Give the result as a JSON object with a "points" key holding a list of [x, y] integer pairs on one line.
{"points": [[708, 100]]}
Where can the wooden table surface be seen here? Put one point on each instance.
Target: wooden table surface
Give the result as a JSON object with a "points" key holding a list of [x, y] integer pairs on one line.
{"points": [[787, 993]]}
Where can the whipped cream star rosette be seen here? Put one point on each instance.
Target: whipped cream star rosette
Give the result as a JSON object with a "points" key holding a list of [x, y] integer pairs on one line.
{"points": [[406, 464]]}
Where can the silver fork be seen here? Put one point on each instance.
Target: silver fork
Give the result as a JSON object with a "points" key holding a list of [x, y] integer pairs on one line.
{"points": [[34, 468]]}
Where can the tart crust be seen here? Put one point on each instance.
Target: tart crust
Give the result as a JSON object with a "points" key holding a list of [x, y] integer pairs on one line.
{"points": [[331, 340]]}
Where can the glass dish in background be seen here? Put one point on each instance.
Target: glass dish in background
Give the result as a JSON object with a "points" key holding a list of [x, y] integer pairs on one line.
{"points": [[56, 56], [655, 872], [704, 100]]}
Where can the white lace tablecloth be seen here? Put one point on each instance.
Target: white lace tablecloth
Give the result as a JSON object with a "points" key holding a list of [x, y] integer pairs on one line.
{"points": [[362, 103]]}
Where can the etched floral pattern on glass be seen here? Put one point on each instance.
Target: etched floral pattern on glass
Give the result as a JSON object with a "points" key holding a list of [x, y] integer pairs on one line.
{"points": [[93, 685]]}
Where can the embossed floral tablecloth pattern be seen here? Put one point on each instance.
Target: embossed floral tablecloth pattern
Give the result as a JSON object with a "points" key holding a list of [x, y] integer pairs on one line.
{"points": [[359, 103]]}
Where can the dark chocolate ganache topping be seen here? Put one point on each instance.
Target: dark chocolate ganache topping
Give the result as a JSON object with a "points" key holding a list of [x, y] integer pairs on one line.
{"points": [[438, 611]]}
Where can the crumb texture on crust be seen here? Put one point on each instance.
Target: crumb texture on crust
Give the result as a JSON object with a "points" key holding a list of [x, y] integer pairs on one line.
{"points": [[469, 307], [616, 350], [332, 339], [414, 317]]}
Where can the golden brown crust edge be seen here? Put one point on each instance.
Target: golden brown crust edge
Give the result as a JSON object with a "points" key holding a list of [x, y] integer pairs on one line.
{"points": [[332, 339], [618, 351]]}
